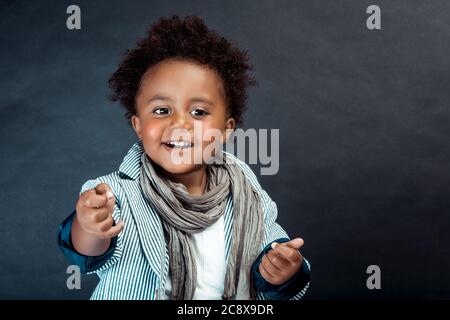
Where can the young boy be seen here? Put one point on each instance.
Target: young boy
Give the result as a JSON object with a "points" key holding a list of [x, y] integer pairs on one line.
{"points": [[163, 229]]}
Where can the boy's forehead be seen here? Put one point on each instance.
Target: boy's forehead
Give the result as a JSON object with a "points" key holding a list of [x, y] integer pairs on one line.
{"points": [[177, 76]]}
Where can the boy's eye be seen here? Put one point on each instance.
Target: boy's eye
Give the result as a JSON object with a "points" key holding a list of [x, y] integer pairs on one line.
{"points": [[161, 111], [199, 112]]}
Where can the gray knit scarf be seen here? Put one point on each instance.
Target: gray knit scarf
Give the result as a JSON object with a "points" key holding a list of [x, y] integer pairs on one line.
{"points": [[183, 215]]}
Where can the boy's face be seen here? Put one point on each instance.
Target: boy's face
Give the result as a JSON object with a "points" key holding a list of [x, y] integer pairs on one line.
{"points": [[174, 95]]}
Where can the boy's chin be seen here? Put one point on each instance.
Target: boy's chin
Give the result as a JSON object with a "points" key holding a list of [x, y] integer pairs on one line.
{"points": [[180, 169]]}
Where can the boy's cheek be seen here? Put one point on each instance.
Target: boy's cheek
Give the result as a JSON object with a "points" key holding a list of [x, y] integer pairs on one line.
{"points": [[152, 132]]}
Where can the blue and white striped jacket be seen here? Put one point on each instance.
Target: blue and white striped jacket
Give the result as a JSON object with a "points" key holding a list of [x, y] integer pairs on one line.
{"points": [[139, 265]]}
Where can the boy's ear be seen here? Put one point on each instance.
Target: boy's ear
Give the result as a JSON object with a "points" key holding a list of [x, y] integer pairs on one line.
{"points": [[136, 123], [229, 128]]}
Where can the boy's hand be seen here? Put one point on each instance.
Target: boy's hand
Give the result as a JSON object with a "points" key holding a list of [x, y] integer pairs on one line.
{"points": [[94, 212], [282, 262]]}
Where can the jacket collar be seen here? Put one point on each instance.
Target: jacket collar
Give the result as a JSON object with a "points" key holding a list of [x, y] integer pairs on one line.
{"points": [[131, 163]]}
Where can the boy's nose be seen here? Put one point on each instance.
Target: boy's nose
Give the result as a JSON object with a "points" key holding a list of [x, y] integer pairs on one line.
{"points": [[180, 121], [181, 128]]}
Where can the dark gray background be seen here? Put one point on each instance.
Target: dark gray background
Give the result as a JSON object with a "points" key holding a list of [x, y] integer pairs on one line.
{"points": [[363, 117]]}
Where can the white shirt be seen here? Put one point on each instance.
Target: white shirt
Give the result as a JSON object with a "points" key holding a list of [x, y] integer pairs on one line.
{"points": [[209, 254]]}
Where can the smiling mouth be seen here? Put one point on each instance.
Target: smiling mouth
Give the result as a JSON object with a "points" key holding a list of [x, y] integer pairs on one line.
{"points": [[178, 144]]}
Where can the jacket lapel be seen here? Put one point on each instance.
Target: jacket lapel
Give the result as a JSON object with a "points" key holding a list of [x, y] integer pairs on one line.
{"points": [[148, 224], [228, 225]]}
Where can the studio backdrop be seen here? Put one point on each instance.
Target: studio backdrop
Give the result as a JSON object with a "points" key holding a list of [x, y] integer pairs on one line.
{"points": [[360, 94]]}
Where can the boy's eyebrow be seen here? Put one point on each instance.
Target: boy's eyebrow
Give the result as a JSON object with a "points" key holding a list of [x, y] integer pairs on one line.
{"points": [[165, 98], [158, 97], [200, 99]]}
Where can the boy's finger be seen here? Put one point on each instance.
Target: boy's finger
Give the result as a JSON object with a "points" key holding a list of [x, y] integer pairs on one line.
{"points": [[292, 255], [99, 215], [104, 189], [296, 243], [115, 230], [278, 260], [104, 225], [282, 259], [264, 273], [110, 203], [269, 269], [268, 276], [92, 200]]}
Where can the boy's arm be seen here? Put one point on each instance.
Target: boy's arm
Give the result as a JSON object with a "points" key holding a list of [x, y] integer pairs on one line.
{"points": [[292, 289], [89, 237], [93, 226], [87, 243], [86, 263]]}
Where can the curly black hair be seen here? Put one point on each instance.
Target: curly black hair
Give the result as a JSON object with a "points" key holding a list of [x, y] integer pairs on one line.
{"points": [[189, 39]]}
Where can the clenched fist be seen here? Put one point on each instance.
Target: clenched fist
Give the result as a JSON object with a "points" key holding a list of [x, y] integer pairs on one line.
{"points": [[93, 226], [282, 262]]}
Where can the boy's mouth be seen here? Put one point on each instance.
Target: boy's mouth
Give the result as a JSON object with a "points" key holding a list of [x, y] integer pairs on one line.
{"points": [[178, 144]]}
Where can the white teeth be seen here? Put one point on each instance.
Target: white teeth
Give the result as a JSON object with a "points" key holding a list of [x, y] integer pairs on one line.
{"points": [[179, 144]]}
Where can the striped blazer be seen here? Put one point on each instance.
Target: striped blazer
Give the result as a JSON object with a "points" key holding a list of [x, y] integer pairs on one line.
{"points": [[139, 266]]}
